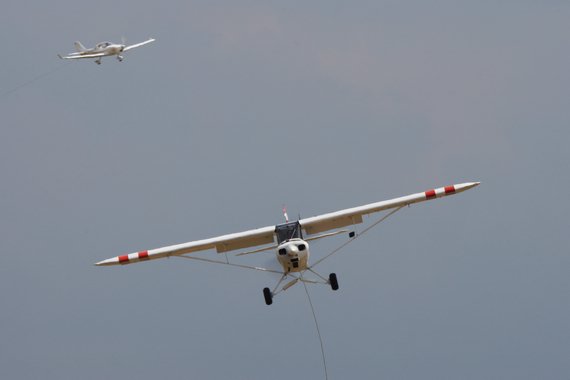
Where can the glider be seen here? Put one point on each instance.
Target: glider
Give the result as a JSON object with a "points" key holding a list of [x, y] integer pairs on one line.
{"points": [[102, 49], [290, 240]]}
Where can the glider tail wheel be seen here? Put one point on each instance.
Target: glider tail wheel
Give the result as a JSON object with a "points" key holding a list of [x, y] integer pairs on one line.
{"points": [[333, 281], [268, 296]]}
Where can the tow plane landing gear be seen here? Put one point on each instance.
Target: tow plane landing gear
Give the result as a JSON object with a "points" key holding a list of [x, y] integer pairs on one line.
{"points": [[333, 281], [268, 294]]}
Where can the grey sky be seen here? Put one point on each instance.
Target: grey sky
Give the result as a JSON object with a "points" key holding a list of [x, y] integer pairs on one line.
{"points": [[239, 107]]}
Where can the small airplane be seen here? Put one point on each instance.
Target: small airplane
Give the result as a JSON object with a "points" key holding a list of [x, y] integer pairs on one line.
{"points": [[102, 49], [290, 240]]}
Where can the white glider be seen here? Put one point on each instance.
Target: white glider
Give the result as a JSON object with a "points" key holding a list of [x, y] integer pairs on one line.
{"points": [[102, 49]]}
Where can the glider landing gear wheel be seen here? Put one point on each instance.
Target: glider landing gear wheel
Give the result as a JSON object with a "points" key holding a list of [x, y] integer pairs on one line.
{"points": [[268, 296], [333, 281]]}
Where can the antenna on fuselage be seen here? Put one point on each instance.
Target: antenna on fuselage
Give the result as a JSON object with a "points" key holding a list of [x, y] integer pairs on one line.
{"points": [[285, 214]]}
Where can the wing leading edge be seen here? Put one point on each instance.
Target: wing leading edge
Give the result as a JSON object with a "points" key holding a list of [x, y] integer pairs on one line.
{"points": [[139, 44], [79, 56], [266, 235]]}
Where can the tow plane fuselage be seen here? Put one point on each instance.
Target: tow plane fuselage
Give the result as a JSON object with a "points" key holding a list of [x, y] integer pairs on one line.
{"points": [[288, 240]]}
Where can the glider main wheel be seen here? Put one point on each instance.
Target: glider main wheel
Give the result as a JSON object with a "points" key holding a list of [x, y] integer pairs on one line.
{"points": [[333, 281], [268, 296]]}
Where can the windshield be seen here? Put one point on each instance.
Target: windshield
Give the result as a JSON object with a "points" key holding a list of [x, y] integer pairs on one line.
{"points": [[288, 231]]}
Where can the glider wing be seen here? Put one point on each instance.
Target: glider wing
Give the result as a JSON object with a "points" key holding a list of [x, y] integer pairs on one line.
{"points": [[139, 44]]}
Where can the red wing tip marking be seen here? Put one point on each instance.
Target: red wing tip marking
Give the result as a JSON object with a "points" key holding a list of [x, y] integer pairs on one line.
{"points": [[143, 255], [430, 194], [123, 259], [449, 189]]}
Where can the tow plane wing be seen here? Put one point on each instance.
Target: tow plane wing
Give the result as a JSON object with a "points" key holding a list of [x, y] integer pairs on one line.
{"points": [[224, 243], [267, 235], [354, 215]]}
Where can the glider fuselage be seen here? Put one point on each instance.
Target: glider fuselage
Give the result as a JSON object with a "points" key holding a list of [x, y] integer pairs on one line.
{"points": [[106, 48]]}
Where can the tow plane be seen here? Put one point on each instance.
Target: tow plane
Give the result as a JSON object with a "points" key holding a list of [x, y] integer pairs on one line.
{"points": [[103, 49], [290, 240]]}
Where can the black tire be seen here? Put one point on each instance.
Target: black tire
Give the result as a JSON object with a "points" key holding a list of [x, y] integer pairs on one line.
{"points": [[268, 296], [333, 281]]}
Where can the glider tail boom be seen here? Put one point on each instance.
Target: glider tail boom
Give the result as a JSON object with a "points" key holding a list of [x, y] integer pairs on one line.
{"points": [[79, 47]]}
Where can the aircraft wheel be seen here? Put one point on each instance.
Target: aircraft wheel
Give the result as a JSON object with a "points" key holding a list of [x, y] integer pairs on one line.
{"points": [[333, 281], [268, 296]]}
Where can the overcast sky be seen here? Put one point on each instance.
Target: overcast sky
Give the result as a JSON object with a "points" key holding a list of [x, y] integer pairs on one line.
{"points": [[240, 107]]}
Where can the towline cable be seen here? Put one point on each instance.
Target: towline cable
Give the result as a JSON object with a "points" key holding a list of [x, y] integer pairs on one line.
{"points": [[318, 330]]}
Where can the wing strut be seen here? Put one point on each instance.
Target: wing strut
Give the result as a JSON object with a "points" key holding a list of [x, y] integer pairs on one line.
{"points": [[357, 236], [228, 263]]}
